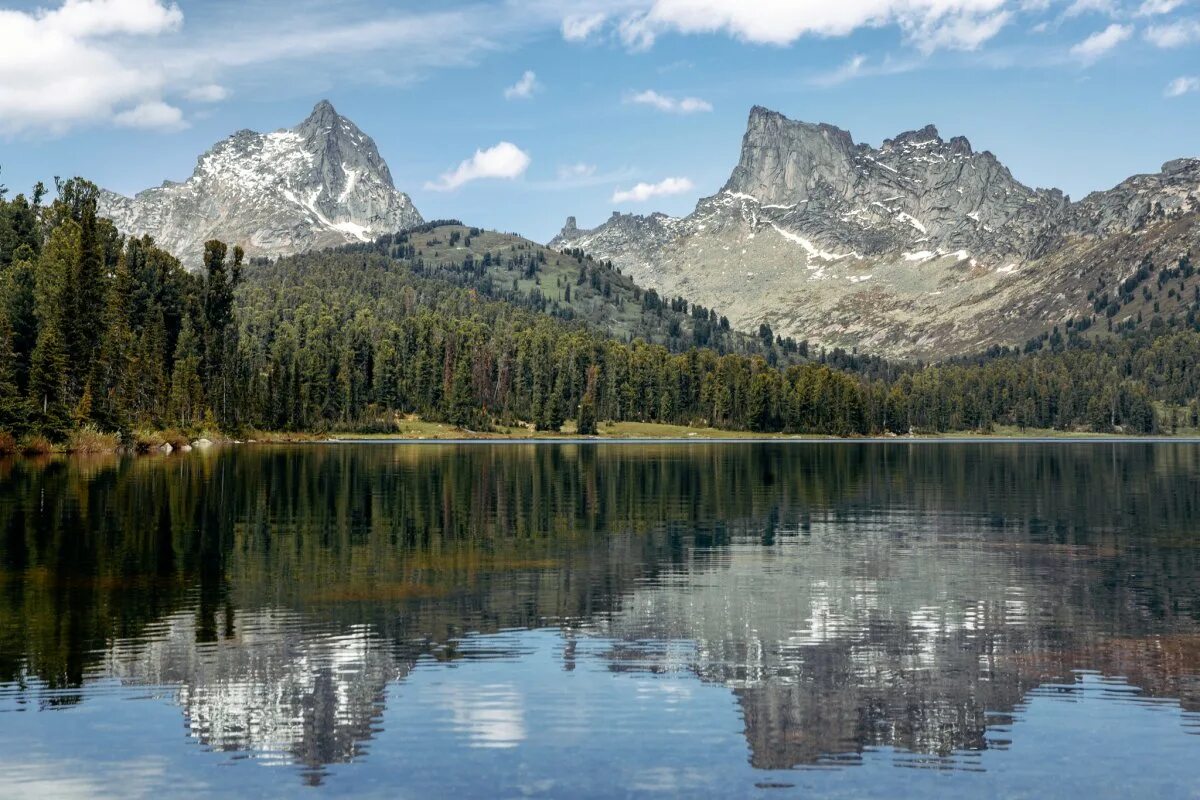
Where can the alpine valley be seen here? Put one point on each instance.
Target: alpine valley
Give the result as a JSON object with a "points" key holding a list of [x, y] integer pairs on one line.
{"points": [[921, 248]]}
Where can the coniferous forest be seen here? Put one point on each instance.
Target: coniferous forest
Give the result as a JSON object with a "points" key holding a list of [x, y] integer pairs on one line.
{"points": [[106, 333]]}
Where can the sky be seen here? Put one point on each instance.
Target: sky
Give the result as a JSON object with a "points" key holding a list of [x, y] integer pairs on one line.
{"points": [[514, 114]]}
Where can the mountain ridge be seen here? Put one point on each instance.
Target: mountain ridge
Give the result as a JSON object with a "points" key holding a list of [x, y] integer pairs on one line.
{"points": [[921, 247], [321, 183]]}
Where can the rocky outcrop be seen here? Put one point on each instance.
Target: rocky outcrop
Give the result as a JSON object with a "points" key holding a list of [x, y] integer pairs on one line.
{"points": [[920, 247], [319, 184]]}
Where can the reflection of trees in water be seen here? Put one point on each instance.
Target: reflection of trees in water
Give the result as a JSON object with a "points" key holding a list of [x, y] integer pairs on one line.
{"points": [[850, 595]]}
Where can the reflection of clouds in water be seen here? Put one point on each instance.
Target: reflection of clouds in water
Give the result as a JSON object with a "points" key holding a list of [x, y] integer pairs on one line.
{"points": [[671, 781], [39, 777], [491, 715]]}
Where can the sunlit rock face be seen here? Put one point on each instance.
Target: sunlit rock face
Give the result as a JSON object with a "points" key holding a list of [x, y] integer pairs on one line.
{"points": [[919, 247], [319, 184]]}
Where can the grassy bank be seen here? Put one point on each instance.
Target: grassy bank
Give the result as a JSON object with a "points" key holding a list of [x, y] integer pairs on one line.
{"points": [[89, 439], [420, 430], [92, 441]]}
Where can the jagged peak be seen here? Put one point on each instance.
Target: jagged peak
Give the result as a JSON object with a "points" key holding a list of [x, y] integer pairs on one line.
{"points": [[762, 118], [927, 135], [325, 121], [323, 112], [1180, 165]]}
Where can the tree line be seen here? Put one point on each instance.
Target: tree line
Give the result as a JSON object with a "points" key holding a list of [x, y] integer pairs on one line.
{"points": [[111, 332]]}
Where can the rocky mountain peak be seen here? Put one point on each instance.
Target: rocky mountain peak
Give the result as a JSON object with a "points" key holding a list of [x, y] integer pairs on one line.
{"points": [[319, 184], [925, 137], [918, 246]]}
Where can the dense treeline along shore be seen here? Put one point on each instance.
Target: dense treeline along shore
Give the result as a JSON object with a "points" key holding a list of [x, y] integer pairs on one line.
{"points": [[105, 339]]}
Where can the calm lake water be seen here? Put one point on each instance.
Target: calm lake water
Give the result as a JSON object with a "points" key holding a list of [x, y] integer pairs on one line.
{"points": [[735, 620]]}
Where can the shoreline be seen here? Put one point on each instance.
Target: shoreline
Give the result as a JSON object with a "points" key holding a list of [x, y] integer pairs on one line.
{"points": [[622, 434], [628, 440]]}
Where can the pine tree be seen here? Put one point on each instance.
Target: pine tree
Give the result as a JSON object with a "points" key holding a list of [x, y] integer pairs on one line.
{"points": [[187, 391], [153, 389], [585, 421], [48, 371], [17, 300], [112, 379], [13, 411]]}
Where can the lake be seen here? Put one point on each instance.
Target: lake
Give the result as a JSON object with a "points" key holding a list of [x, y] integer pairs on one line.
{"points": [[908, 619]]}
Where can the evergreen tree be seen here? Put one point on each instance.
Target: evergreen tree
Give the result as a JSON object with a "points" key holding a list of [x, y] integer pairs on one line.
{"points": [[187, 391]]}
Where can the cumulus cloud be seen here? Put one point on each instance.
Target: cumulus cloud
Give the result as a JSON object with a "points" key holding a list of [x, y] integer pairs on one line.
{"points": [[1101, 42], [505, 160], [524, 88], [208, 93], [646, 191], [671, 105], [84, 61], [154, 115], [930, 24], [1174, 34], [57, 68], [1185, 84]]}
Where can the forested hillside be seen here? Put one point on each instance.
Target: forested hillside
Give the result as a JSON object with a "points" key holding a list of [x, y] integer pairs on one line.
{"points": [[474, 329], [570, 286]]}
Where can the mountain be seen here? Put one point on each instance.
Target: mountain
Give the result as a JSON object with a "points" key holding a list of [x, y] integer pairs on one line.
{"points": [[445, 257], [919, 248], [319, 184]]}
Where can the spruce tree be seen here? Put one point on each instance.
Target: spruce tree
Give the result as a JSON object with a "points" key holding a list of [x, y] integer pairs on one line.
{"points": [[13, 411]]}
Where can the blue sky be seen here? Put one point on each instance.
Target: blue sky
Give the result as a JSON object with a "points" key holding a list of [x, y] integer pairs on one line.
{"points": [[1076, 94]]}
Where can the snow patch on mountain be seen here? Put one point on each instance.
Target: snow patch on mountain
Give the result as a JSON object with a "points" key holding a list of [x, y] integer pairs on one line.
{"points": [[319, 184]]}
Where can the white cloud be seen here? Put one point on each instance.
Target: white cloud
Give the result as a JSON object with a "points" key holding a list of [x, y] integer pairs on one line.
{"points": [[1151, 8], [580, 27], [1101, 42], [1182, 85], [931, 24], [154, 115], [86, 18], [1174, 34], [646, 191], [1081, 7], [860, 66], [962, 32], [58, 68], [208, 93], [524, 88], [671, 105], [505, 160], [574, 172], [88, 60]]}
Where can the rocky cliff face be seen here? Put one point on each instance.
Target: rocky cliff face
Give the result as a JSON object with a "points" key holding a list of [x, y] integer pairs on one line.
{"points": [[320, 184], [921, 247]]}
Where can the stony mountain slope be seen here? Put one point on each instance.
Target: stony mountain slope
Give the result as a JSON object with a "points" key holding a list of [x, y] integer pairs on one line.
{"points": [[319, 184], [922, 247]]}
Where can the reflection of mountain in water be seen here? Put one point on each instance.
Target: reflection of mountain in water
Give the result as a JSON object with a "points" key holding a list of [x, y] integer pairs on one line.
{"points": [[896, 629], [850, 596], [267, 685]]}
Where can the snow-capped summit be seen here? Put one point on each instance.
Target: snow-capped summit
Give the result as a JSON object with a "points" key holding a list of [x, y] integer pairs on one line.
{"points": [[319, 184]]}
